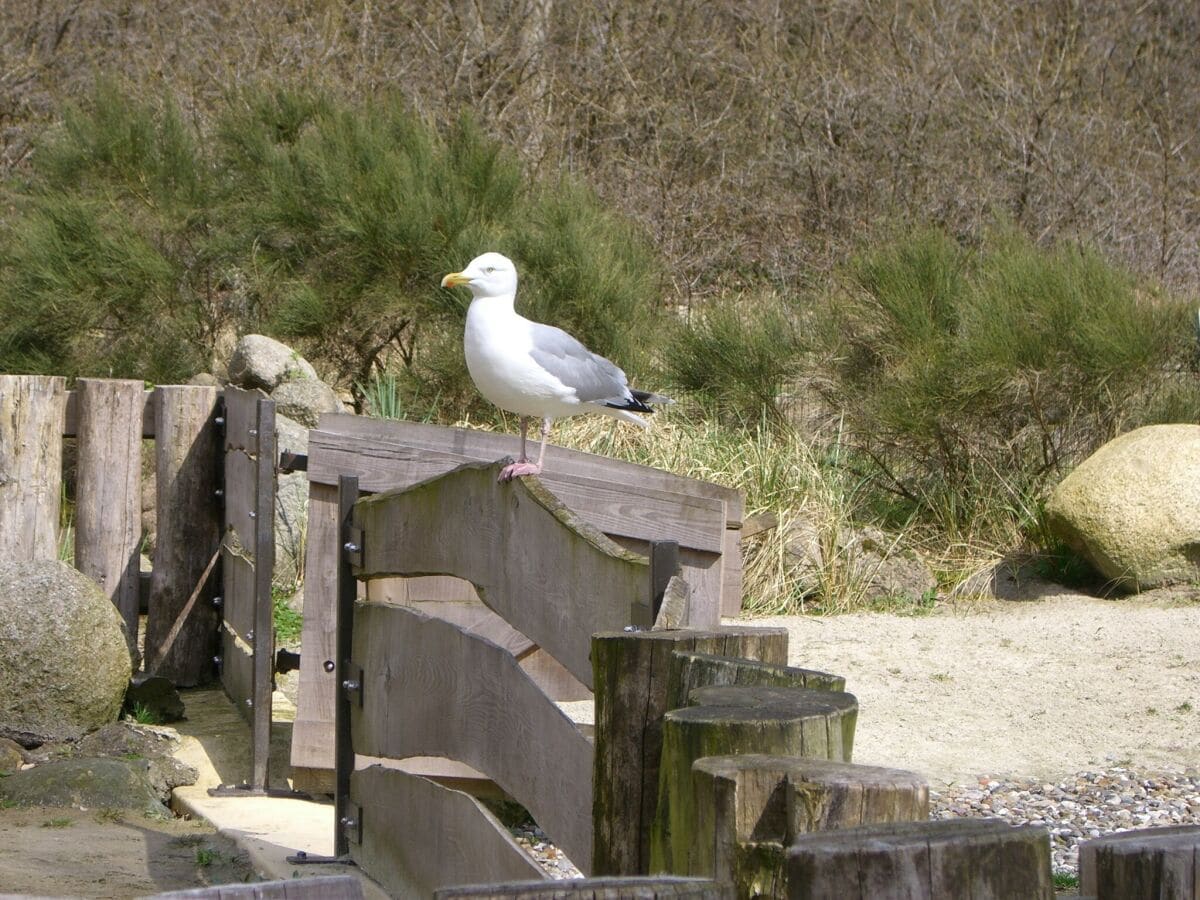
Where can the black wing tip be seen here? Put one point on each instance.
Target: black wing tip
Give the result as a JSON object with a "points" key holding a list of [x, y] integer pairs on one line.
{"points": [[640, 401]]}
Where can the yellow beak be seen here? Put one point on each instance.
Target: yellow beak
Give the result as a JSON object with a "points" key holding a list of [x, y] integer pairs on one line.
{"points": [[455, 279]]}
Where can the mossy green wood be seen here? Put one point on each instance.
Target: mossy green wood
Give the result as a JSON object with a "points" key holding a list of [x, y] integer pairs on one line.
{"points": [[631, 690], [552, 576], [749, 807], [931, 860], [734, 720], [595, 889], [430, 688]]}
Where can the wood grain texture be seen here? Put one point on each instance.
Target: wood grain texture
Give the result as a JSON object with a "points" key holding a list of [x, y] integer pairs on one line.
{"points": [[432, 689], [312, 732], [631, 691], [1146, 864], [729, 720], [320, 887], [263, 640], [690, 671], [556, 579], [942, 860], [70, 422], [749, 800], [189, 527], [468, 445], [418, 836], [595, 889], [31, 415], [108, 494]]}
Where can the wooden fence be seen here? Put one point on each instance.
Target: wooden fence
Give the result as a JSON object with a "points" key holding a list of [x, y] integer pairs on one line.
{"points": [[631, 505], [208, 595]]}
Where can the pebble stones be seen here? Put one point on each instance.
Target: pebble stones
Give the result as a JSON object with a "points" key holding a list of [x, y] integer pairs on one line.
{"points": [[1079, 807]]}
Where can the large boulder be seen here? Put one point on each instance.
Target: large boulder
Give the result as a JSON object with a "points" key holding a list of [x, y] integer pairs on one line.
{"points": [[262, 362], [92, 783], [291, 504], [64, 661], [1132, 508], [305, 400]]}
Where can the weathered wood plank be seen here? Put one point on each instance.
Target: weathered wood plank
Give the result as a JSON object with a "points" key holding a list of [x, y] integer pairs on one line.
{"points": [[631, 687], [263, 639], [612, 506], [237, 672], [470, 445], [70, 420], [728, 720], [237, 597], [108, 496], [312, 732], [924, 860], [731, 573], [241, 420], [1146, 864], [319, 887], [554, 578], [431, 689], [189, 526], [239, 489], [31, 411], [746, 801], [595, 889], [418, 836]]}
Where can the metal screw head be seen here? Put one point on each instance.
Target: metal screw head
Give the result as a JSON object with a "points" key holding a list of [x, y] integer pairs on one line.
{"points": [[329, 665], [249, 702], [249, 635], [351, 547], [219, 492], [220, 420], [253, 514], [217, 601], [216, 660], [253, 432], [351, 684]]}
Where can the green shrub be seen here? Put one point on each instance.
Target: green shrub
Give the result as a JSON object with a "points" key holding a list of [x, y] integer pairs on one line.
{"points": [[971, 380], [142, 239]]}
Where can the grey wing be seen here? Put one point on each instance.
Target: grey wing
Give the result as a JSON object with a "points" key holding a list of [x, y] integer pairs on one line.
{"points": [[594, 378]]}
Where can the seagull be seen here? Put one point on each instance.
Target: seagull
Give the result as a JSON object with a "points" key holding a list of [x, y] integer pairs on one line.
{"points": [[534, 370]]}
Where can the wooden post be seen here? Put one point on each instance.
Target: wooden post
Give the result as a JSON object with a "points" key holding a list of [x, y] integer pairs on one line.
{"points": [[690, 671], [729, 720], [750, 807], [108, 508], [593, 889], [1147, 864], [31, 421], [181, 631], [925, 860], [630, 676]]}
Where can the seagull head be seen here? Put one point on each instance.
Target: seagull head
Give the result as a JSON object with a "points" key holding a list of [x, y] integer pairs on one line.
{"points": [[489, 275]]}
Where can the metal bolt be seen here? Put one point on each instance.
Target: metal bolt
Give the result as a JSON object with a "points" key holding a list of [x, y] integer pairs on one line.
{"points": [[253, 514], [328, 665], [349, 821], [250, 635], [219, 492], [249, 702], [253, 432], [351, 547], [216, 660], [217, 601], [220, 420], [351, 684]]}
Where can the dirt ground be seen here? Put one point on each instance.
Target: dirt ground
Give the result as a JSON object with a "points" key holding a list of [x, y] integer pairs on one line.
{"points": [[1047, 687], [88, 853]]}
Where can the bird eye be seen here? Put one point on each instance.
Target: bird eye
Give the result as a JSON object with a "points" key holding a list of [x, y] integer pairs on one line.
{"points": [[490, 269]]}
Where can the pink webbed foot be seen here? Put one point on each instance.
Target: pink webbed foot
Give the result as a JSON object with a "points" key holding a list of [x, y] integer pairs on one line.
{"points": [[517, 469]]}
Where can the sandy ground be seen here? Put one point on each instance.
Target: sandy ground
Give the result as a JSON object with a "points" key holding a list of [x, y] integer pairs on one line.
{"points": [[1042, 688], [1048, 688]]}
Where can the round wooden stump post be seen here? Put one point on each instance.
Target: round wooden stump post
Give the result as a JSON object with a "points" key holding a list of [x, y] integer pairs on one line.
{"points": [[731, 720], [922, 861], [1147, 864]]}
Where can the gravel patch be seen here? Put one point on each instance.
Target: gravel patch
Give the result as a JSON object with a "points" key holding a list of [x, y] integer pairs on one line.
{"points": [[1079, 807]]}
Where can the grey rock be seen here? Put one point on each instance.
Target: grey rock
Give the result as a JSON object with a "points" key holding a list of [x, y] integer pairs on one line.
{"points": [[205, 379], [64, 664], [93, 783], [291, 504], [305, 401], [262, 362], [1132, 509], [155, 745], [11, 756], [156, 695]]}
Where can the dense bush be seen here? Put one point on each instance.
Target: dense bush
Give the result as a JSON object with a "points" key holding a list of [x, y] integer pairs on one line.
{"points": [[972, 377], [141, 242]]}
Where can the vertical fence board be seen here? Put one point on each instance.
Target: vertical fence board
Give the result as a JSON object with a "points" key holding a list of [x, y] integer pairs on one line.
{"points": [[189, 524], [108, 497], [263, 641], [31, 418]]}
